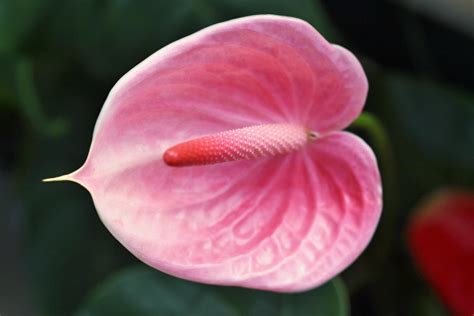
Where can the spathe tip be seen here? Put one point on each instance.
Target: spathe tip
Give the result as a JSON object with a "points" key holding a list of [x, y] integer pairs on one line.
{"points": [[66, 177]]}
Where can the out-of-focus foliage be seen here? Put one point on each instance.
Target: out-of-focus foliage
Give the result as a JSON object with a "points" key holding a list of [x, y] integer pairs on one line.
{"points": [[59, 59], [447, 116], [142, 291]]}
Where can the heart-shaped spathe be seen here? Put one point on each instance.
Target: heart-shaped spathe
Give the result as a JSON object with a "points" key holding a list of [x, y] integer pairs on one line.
{"points": [[282, 223]]}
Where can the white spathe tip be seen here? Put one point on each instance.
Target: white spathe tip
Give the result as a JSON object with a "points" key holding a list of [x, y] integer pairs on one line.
{"points": [[66, 177]]}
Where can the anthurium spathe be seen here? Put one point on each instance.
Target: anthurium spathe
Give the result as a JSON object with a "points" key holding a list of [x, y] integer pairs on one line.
{"points": [[441, 240], [220, 159]]}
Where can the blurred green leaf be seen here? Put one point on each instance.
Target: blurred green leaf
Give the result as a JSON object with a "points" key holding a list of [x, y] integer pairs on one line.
{"points": [[110, 37], [310, 11], [429, 304], [7, 86], [430, 126], [329, 299], [17, 19], [67, 248], [30, 104], [439, 120], [142, 291]]}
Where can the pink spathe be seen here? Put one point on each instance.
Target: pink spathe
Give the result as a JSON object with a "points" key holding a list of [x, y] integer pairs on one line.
{"points": [[286, 222]]}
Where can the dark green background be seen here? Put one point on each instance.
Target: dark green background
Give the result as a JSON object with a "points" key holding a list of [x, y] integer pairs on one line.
{"points": [[59, 59]]}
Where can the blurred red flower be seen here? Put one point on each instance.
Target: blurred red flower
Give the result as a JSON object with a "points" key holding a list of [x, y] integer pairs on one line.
{"points": [[441, 240]]}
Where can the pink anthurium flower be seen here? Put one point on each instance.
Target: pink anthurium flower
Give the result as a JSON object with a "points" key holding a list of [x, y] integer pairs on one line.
{"points": [[219, 158], [441, 241]]}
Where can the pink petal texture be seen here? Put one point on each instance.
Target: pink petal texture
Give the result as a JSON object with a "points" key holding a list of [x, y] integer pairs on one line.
{"points": [[283, 223]]}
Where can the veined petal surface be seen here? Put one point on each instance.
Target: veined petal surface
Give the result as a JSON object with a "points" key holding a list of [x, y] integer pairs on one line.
{"points": [[284, 223]]}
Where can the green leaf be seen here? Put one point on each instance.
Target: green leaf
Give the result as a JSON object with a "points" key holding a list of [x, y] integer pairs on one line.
{"points": [[30, 103], [439, 120], [7, 86], [427, 304], [142, 291], [310, 11], [67, 249], [17, 20], [329, 299], [111, 37]]}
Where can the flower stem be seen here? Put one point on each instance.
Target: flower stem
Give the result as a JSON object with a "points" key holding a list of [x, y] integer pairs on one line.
{"points": [[380, 140], [372, 127]]}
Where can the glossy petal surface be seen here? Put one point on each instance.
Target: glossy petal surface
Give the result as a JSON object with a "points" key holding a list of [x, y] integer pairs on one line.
{"points": [[284, 223]]}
